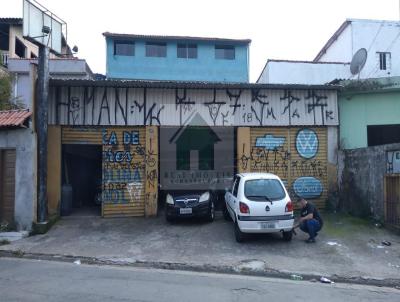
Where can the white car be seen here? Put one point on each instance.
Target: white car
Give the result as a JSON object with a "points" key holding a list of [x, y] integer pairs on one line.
{"points": [[259, 203]]}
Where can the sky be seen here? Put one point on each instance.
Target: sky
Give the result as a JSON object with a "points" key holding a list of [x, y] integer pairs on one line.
{"points": [[279, 29]]}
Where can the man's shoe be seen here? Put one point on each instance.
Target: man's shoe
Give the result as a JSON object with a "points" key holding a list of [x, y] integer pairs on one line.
{"points": [[310, 240]]}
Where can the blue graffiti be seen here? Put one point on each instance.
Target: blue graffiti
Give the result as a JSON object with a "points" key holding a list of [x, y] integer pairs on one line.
{"points": [[307, 143], [121, 176], [270, 142], [112, 140], [307, 187], [131, 138]]}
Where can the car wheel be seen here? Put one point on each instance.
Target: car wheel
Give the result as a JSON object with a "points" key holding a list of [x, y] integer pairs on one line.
{"points": [[287, 236], [239, 235], [211, 212], [226, 214]]}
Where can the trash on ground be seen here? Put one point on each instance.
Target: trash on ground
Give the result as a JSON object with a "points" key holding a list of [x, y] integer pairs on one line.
{"points": [[77, 262], [332, 243], [326, 280], [296, 277], [393, 265], [378, 225], [380, 247], [387, 243]]}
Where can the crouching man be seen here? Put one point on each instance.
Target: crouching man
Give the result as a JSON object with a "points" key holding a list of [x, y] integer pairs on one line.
{"points": [[310, 221]]}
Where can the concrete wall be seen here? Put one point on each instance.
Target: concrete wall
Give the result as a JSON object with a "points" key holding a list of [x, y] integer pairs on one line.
{"points": [[24, 141], [357, 111], [360, 177], [204, 68], [297, 72]]}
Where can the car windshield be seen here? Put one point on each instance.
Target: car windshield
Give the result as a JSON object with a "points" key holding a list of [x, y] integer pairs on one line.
{"points": [[264, 189]]}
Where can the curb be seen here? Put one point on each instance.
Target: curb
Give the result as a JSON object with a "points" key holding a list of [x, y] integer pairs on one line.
{"points": [[207, 268]]}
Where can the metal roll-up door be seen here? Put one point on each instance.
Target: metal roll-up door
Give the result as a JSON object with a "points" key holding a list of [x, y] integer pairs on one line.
{"points": [[297, 155], [7, 185], [124, 156], [81, 135]]}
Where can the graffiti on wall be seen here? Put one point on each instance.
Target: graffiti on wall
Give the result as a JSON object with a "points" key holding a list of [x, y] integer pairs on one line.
{"points": [[123, 166], [272, 153], [173, 107]]}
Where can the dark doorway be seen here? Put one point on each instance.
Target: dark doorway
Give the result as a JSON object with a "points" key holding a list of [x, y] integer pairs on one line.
{"points": [[383, 134], [82, 169]]}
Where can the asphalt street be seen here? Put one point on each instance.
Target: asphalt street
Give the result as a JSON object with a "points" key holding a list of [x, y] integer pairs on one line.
{"points": [[35, 280]]}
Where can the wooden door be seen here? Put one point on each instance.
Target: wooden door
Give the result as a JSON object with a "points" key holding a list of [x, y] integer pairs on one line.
{"points": [[7, 185]]}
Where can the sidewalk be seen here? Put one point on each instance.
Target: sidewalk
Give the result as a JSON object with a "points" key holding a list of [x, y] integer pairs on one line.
{"points": [[346, 248]]}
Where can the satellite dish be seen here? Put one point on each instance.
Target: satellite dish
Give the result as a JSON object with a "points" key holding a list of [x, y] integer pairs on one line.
{"points": [[358, 61]]}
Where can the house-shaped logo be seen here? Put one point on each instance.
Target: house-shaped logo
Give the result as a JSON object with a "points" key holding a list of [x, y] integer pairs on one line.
{"points": [[196, 137]]}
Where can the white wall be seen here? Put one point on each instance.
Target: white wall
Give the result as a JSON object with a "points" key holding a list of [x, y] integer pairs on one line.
{"points": [[341, 50], [373, 35], [310, 73]]}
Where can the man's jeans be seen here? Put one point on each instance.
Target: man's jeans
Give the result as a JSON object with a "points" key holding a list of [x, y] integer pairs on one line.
{"points": [[311, 226]]}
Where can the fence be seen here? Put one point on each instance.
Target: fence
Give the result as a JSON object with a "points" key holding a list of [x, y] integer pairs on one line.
{"points": [[392, 200]]}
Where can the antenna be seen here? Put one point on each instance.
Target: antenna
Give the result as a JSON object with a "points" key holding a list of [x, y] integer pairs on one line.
{"points": [[358, 61]]}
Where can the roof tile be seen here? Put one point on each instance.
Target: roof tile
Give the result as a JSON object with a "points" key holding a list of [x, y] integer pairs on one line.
{"points": [[14, 118]]}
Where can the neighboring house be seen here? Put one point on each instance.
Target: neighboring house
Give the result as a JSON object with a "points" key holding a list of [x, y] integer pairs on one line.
{"points": [[303, 72], [380, 38], [14, 45], [147, 57], [18, 139], [369, 112]]}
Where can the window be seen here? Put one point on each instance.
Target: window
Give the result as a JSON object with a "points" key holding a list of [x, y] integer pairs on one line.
{"points": [[156, 49], [384, 60], [383, 134], [124, 48], [236, 187], [20, 48], [33, 56], [264, 189], [188, 51], [225, 52]]}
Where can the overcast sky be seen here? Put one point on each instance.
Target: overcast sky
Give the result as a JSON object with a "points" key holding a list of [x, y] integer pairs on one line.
{"points": [[279, 29]]}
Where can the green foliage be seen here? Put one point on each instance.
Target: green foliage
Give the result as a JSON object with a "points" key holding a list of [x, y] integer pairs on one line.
{"points": [[5, 88], [7, 101]]}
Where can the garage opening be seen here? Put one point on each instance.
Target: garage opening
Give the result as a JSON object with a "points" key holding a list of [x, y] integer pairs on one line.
{"points": [[82, 173]]}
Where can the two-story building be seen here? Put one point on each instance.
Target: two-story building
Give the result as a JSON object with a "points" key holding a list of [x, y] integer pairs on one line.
{"points": [[14, 45], [176, 58], [380, 38]]}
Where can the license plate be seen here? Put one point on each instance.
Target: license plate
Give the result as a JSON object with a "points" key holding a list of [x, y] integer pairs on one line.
{"points": [[185, 211], [268, 225]]}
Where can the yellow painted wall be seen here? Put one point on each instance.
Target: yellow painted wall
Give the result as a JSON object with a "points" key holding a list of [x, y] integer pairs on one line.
{"points": [[281, 155]]}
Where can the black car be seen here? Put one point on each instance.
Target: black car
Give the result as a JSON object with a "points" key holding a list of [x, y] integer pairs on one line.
{"points": [[189, 204]]}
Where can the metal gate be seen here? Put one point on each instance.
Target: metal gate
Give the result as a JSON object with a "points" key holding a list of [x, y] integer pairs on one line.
{"points": [[7, 185], [392, 200], [129, 167]]}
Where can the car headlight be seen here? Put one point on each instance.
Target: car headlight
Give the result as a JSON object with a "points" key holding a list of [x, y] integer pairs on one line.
{"points": [[169, 199], [204, 197]]}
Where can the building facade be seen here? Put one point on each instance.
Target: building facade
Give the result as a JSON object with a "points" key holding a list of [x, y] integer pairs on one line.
{"points": [[379, 37], [134, 138], [14, 45], [18, 138], [176, 58], [369, 113]]}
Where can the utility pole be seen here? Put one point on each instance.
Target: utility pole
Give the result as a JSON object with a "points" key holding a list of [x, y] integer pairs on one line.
{"points": [[41, 118]]}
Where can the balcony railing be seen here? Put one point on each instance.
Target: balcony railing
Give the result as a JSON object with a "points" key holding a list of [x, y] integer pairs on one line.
{"points": [[3, 57]]}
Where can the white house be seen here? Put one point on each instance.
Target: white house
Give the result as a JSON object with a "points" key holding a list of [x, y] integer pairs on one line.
{"points": [[380, 38]]}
